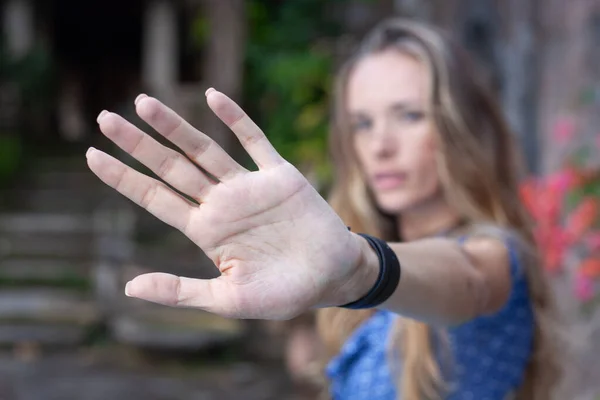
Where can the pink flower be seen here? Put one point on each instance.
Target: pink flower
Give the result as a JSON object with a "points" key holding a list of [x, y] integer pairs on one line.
{"points": [[564, 129], [562, 181], [583, 218], [584, 288], [593, 241], [553, 242], [590, 268]]}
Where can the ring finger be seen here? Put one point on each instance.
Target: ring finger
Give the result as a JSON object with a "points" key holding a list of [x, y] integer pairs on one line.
{"points": [[168, 164]]}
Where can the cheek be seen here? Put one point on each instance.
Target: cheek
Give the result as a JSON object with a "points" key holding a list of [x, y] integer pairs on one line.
{"points": [[426, 166], [424, 156], [428, 175]]}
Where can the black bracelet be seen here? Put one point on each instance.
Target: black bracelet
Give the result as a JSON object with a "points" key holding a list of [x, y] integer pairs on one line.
{"points": [[387, 281]]}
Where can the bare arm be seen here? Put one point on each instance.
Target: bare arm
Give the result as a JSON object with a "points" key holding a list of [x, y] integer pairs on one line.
{"points": [[279, 247], [444, 282]]}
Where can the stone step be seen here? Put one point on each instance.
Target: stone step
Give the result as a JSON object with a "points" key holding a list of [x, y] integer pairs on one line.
{"points": [[64, 179], [49, 223], [72, 200], [174, 329], [46, 305], [55, 235], [66, 375], [44, 271], [43, 334], [70, 246], [105, 220]]}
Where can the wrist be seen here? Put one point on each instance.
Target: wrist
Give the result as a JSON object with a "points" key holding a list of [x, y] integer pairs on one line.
{"points": [[366, 271]]}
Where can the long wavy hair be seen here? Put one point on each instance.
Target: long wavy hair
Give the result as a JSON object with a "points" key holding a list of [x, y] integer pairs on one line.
{"points": [[477, 165]]}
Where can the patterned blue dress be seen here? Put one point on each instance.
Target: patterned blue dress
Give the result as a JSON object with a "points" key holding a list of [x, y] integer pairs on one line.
{"points": [[490, 353]]}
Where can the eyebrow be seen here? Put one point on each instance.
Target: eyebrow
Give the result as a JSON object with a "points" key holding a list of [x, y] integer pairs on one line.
{"points": [[397, 106], [403, 105]]}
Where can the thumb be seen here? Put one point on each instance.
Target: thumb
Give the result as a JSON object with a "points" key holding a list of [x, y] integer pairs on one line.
{"points": [[207, 294]]}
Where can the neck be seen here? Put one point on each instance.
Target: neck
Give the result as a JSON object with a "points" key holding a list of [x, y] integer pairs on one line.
{"points": [[427, 220]]}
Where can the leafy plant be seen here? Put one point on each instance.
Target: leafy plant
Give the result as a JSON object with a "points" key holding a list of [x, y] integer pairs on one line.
{"points": [[26, 94], [566, 208], [289, 67], [10, 156], [33, 77]]}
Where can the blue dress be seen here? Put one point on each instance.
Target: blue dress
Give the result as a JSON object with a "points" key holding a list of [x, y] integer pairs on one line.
{"points": [[490, 353]]}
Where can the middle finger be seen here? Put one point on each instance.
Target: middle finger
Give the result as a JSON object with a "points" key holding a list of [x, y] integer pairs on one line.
{"points": [[198, 146]]}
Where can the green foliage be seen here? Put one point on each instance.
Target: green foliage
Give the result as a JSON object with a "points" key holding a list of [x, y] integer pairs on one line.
{"points": [[64, 281], [28, 84], [10, 156], [33, 75], [199, 31], [289, 75]]}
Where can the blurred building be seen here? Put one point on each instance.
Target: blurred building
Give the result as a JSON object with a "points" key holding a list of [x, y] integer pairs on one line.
{"points": [[61, 63], [104, 52]]}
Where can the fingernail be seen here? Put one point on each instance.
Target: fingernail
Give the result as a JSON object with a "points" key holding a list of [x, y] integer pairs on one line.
{"points": [[209, 91], [127, 288], [89, 151], [102, 114], [140, 97]]}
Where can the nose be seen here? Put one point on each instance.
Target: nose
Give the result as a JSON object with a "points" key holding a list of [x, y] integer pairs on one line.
{"points": [[383, 141]]}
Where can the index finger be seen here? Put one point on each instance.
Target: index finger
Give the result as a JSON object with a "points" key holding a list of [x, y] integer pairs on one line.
{"points": [[248, 133]]}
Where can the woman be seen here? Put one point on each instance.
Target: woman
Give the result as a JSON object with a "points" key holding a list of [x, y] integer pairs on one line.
{"points": [[430, 155], [422, 156]]}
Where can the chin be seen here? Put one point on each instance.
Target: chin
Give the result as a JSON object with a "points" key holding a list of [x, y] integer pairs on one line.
{"points": [[396, 203]]}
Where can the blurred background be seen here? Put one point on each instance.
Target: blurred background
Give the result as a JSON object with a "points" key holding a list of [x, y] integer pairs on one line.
{"points": [[68, 243]]}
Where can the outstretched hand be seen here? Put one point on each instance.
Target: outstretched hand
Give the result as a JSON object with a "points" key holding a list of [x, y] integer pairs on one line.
{"points": [[279, 247]]}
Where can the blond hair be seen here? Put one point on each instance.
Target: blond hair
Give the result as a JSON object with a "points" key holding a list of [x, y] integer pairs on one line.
{"points": [[477, 167]]}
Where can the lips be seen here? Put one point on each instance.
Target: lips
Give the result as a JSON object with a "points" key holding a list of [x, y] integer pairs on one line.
{"points": [[389, 180]]}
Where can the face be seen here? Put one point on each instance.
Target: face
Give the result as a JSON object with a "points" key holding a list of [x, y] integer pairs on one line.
{"points": [[392, 130]]}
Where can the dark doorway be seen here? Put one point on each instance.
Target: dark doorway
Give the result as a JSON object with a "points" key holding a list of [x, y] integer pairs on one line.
{"points": [[97, 46], [91, 32]]}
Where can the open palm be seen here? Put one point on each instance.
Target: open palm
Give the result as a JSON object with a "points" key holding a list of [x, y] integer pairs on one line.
{"points": [[279, 247]]}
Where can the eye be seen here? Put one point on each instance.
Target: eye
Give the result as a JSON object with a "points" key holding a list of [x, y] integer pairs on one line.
{"points": [[361, 125], [412, 116]]}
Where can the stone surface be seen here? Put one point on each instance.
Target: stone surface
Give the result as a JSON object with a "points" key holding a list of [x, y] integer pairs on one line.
{"points": [[174, 329], [69, 377], [49, 223], [36, 269], [53, 317], [52, 305], [47, 334]]}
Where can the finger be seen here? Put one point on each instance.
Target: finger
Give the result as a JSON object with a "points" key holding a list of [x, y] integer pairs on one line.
{"points": [[196, 145], [168, 164], [249, 134], [174, 291], [149, 193]]}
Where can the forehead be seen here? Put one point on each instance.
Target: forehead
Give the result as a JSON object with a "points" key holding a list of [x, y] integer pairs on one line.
{"points": [[385, 78]]}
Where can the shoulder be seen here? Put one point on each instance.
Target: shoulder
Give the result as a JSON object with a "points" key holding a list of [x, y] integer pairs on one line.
{"points": [[498, 254], [497, 244], [485, 250]]}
